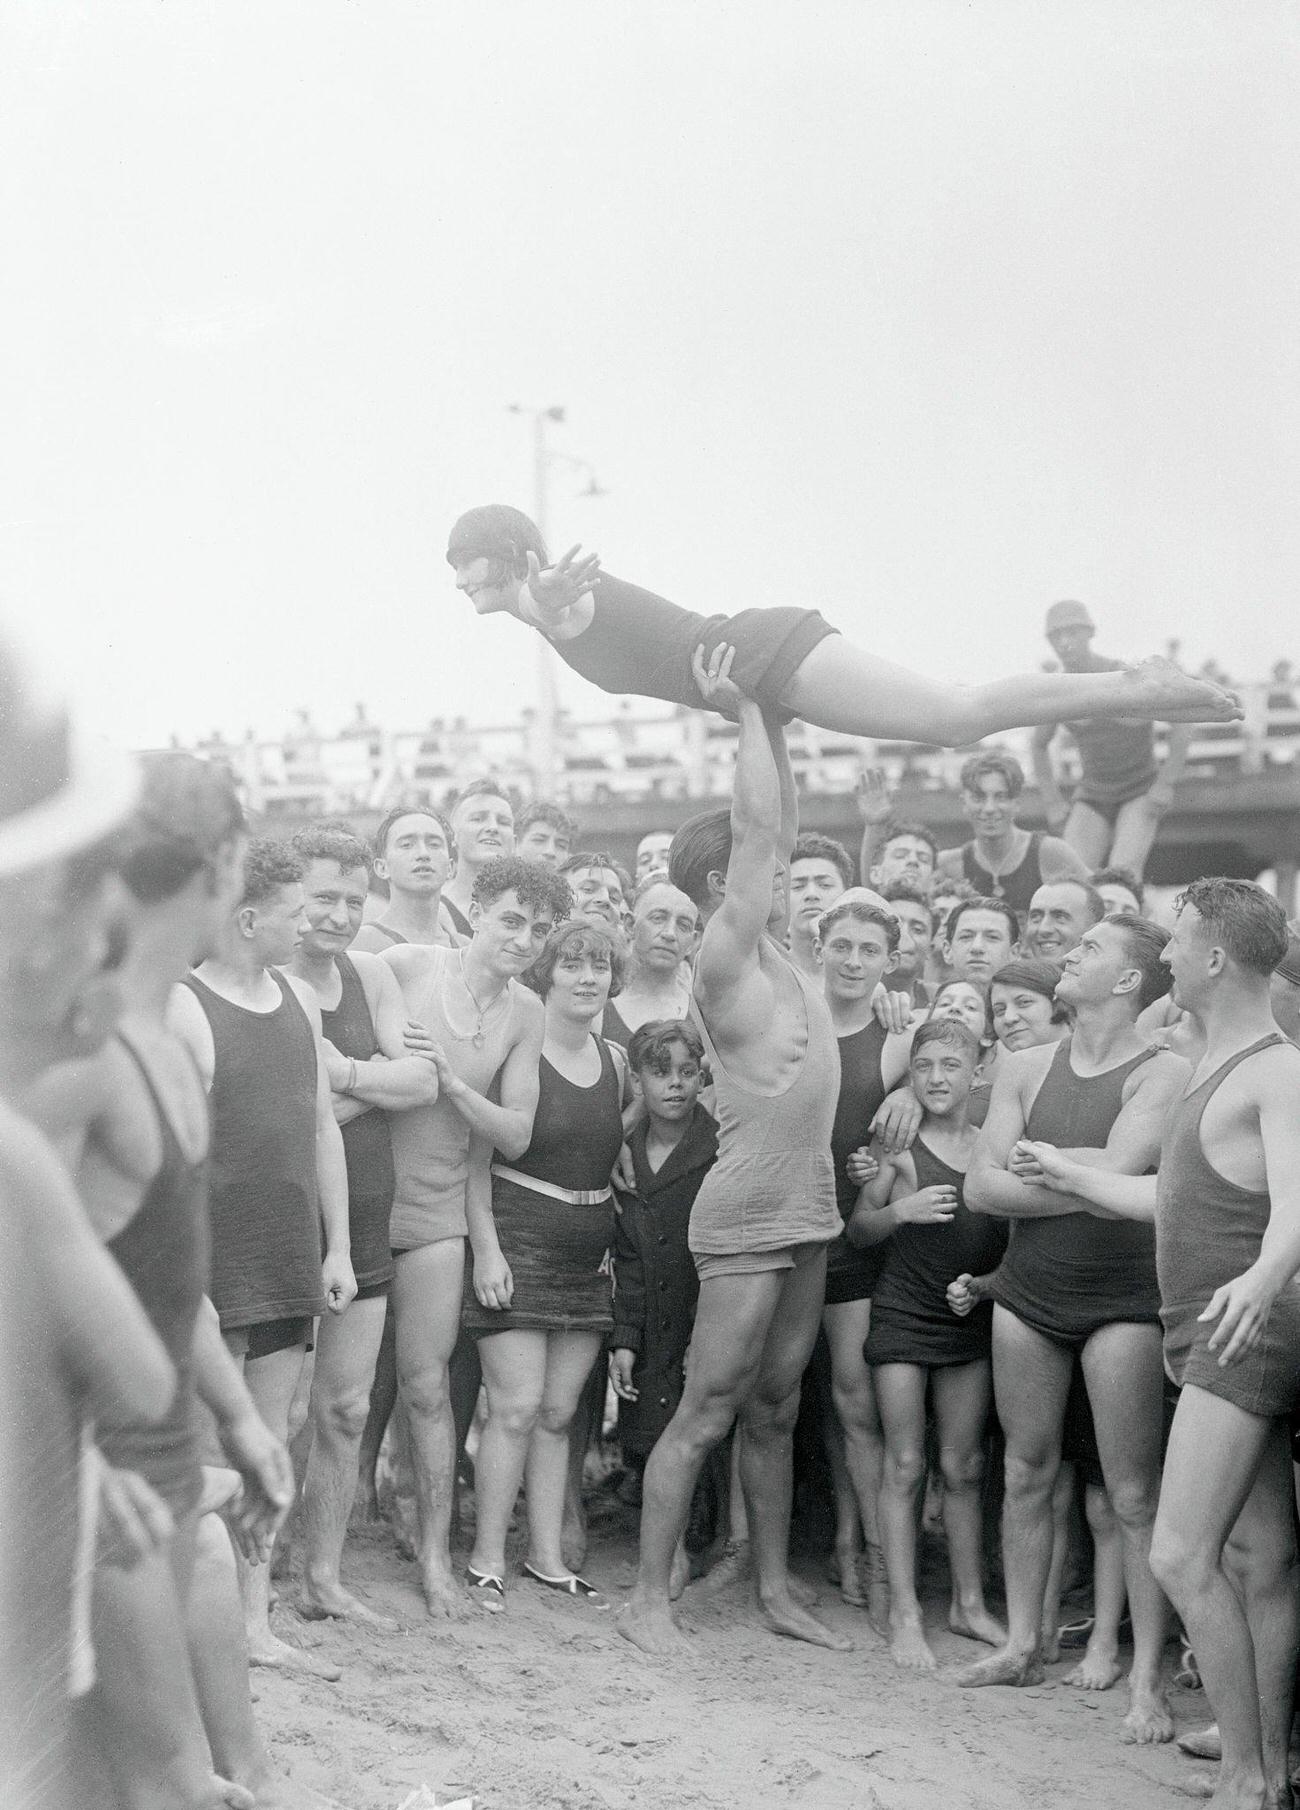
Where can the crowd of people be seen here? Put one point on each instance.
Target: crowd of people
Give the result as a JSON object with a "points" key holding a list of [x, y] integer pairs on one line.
{"points": [[439, 1144]]}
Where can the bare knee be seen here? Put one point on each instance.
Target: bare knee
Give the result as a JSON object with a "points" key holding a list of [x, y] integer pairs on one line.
{"points": [[1101, 1516], [1030, 1474], [1133, 1501], [1182, 1566], [423, 1388], [771, 1416], [855, 1407], [556, 1417], [904, 1467], [962, 1467], [342, 1413]]}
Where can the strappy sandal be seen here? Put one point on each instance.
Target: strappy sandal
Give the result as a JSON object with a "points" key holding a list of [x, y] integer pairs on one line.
{"points": [[491, 1589], [573, 1585]]}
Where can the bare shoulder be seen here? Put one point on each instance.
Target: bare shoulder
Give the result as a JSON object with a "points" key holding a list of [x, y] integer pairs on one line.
{"points": [[32, 1179], [1058, 861], [373, 972], [306, 997], [530, 1014], [370, 941], [187, 1020], [1273, 1075], [1164, 1073], [73, 1096], [410, 962]]}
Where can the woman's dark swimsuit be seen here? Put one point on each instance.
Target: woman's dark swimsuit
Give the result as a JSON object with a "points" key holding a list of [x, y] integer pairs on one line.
{"points": [[642, 644]]}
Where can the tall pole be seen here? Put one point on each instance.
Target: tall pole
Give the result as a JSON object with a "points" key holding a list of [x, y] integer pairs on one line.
{"points": [[548, 694]]}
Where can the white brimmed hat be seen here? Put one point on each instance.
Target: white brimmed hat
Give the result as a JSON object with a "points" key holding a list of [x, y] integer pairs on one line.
{"points": [[60, 788]]}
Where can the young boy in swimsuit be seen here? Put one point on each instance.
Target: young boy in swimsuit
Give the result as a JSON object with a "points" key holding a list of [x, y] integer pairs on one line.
{"points": [[790, 661], [918, 1345]]}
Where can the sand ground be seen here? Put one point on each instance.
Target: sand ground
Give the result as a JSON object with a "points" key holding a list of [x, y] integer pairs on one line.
{"points": [[546, 1708]]}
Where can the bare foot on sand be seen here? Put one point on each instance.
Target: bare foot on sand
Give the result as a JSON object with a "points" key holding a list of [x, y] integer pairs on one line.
{"points": [[732, 1568], [443, 1597], [273, 1791], [783, 1615], [876, 1582], [909, 1649], [231, 1796], [1148, 1721], [844, 1567], [680, 1574], [1159, 689], [976, 1624], [1019, 1670], [1096, 1671], [648, 1624], [326, 1601], [279, 1656], [573, 1537], [1202, 1743]]}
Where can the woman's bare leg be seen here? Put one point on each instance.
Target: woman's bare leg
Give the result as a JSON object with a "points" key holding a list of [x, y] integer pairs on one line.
{"points": [[840, 686]]}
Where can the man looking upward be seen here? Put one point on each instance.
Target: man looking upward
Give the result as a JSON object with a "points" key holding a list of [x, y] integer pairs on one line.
{"points": [[1074, 1284], [1227, 1221], [483, 823], [766, 1212]]}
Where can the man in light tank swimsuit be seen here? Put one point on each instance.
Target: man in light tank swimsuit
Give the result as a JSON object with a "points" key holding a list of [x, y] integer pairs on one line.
{"points": [[1226, 1203], [766, 1212]]}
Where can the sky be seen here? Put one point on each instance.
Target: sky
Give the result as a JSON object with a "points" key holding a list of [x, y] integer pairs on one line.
{"points": [[924, 314]]}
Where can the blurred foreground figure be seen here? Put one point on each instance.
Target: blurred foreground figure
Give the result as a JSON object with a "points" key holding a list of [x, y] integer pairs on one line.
{"points": [[74, 1343]]}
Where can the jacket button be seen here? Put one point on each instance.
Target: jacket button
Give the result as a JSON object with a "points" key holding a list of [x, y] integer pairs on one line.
{"points": [[662, 1239], [663, 1288], [663, 1401]]}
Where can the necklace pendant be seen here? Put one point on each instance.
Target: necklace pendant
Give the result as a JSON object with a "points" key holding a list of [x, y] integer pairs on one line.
{"points": [[478, 1040]]}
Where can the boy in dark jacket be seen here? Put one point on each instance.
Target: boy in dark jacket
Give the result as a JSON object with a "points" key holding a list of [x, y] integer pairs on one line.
{"points": [[655, 1285]]}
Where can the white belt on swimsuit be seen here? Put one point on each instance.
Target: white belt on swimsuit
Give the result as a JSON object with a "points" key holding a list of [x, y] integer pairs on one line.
{"points": [[576, 1197]]}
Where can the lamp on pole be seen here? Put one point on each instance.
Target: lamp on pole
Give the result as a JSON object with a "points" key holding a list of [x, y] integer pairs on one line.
{"points": [[548, 698]]}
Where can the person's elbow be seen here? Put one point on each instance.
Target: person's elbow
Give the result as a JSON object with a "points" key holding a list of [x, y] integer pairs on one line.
{"points": [[515, 1137], [978, 1193], [145, 1386]]}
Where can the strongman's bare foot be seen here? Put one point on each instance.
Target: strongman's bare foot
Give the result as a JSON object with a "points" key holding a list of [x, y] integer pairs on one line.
{"points": [[1096, 1671], [783, 1615], [647, 1622], [909, 1649], [443, 1598], [1160, 690], [279, 1656], [1019, 1670], [330, 1601], [1148, 1721], [976, 1624]]}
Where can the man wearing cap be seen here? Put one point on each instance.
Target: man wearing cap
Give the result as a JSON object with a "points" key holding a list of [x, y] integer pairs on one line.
{"points": [[1122, 793]]}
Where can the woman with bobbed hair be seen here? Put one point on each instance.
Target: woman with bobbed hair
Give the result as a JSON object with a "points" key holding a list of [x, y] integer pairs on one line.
{"points": [[1023, 1011], [539, 1291]]}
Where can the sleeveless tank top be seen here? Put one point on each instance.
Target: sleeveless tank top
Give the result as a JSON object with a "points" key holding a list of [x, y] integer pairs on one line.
{"points": [[577, 1131], [265, 1212], [431, 1143], [921, 1261], [164, 1253], [463, 926], [1077, 1112], [1018, 886], [1208, 1230], [773, 1183], [366, 1142], [393, 936], [1117, 760], [862, 1090]]}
